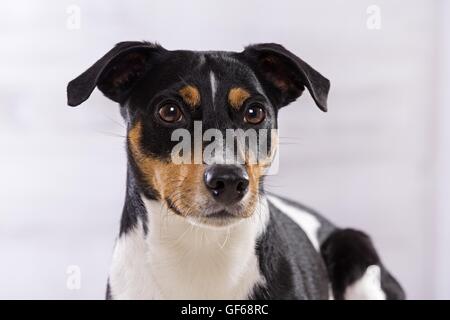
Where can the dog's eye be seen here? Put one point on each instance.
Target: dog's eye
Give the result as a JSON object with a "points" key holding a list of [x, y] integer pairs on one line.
{"points": [[170, 113], [254, 114]]}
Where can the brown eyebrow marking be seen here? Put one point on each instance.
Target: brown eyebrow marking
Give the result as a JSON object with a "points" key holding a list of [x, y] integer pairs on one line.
{"points": [[237, 97], [190, 95]]}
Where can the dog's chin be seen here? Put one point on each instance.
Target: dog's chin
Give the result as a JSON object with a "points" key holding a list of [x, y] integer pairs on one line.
{"points": [[215, 215], [219, 219]]}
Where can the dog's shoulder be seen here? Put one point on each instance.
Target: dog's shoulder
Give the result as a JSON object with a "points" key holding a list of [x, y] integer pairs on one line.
{"points": [[316, 226], [288, 252]]}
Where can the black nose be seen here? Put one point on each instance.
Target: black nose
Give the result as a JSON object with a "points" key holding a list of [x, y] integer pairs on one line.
{"points": [[227, 183]]}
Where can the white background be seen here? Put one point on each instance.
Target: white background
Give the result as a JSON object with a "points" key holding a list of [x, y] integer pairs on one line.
{"points": [[376, 161]]}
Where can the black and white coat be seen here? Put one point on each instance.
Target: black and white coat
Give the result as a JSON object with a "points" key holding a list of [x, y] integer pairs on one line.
{"points": [[285, 251]]}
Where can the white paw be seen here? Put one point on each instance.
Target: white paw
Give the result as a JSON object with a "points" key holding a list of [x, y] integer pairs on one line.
{"points": [[368, 287]]}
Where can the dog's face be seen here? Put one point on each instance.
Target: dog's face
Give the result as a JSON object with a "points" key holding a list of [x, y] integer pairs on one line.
{"points": [[162, 92]]}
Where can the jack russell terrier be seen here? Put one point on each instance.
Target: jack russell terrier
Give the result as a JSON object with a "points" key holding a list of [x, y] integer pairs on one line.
{"points": [[207, 229]]}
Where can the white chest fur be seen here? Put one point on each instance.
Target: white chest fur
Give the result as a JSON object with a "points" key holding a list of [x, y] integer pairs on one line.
{"points": [[179, 260]]}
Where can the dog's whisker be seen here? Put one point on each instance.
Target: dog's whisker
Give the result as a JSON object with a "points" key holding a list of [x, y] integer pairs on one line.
{"points": [[114, 121], [111, 134], [222, 246]]}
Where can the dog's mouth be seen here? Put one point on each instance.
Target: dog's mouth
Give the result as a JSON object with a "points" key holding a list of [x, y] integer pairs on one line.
{"points": [[222, 214], [220, 218], [214, 216]]}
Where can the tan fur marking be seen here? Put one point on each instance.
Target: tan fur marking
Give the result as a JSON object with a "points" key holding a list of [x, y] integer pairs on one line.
{"points": [[237, 97], [190, 95], [177, 182]]}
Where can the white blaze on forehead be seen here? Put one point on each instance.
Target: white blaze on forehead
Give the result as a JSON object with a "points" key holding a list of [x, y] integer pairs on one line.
{"points": [[212, 79]]}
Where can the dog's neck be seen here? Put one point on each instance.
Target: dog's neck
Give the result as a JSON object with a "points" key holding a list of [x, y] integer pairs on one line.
{"points": [[163, 255]]}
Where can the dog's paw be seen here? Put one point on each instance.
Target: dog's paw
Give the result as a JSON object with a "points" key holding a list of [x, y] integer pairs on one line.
{"points": [[368, 287]]}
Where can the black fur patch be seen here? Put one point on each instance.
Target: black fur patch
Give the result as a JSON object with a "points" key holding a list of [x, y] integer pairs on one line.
{"points": [[134, 209], [289, 263]]}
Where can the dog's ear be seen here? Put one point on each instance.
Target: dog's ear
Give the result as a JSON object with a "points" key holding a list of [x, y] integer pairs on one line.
{"points": [[285, 75], [115, 73]]}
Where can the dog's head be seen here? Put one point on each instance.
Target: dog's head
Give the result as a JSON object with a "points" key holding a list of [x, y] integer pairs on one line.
{"points": [[160, 91]]}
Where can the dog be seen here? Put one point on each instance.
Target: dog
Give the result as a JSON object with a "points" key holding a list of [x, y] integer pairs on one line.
{"points": [[209, 230]]}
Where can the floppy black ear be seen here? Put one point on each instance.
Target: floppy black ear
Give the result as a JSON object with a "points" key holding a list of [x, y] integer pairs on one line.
{"points": [[115, 73], [286, 75]]}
